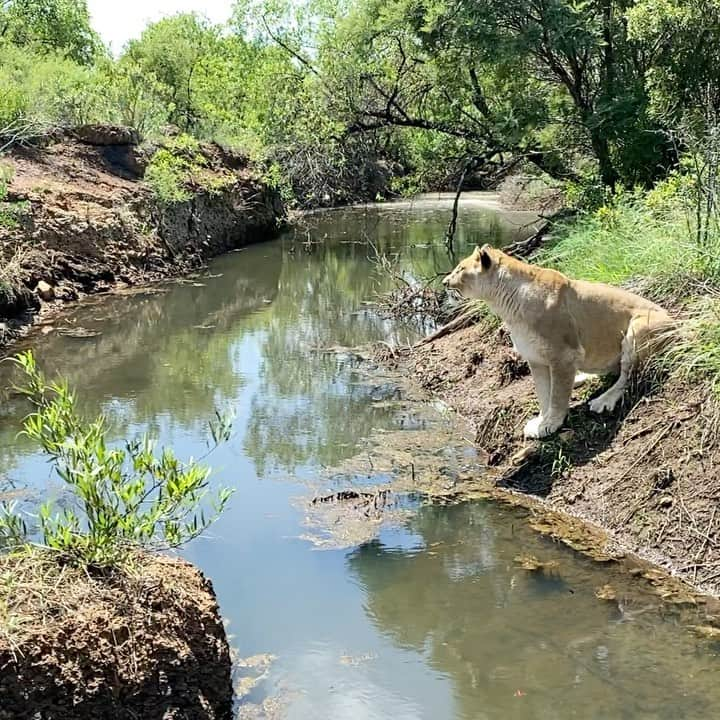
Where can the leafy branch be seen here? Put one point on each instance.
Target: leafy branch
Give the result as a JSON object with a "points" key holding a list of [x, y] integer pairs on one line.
{"points": [[127, 497]]}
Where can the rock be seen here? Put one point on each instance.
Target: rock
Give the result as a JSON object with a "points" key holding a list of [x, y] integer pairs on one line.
{"points": [[15, 301], [66, 293], [45, 291], [106, 135], [566, 436]]}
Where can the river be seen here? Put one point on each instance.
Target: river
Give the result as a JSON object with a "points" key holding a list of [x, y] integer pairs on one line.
{"points": [[431, 616]]}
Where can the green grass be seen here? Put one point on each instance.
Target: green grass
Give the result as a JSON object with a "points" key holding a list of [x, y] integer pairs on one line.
{"points": [[694, 354], [627, 242]]}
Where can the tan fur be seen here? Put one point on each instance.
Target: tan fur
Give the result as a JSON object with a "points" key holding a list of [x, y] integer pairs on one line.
{"points": [[562, 326]]}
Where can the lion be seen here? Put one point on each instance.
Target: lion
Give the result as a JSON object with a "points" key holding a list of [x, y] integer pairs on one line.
{"points": [[561, 326]]}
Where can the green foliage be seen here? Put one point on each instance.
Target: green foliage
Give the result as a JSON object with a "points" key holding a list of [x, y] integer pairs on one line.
{"points": [[60, 25], [167, 174], [128, 497], [10, 212], [180, 165], [686, 54], [172, 52], [49, 89], [327, 96]]}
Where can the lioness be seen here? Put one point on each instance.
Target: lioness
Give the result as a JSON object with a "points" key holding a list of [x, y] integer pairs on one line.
{"points": [[561, 326]]}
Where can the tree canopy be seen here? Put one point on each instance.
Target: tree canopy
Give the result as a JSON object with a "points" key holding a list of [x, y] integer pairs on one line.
{"points": [[433, 90]]}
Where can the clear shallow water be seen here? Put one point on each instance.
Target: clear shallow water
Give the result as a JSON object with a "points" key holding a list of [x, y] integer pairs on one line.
{"points": [[432, 619]]}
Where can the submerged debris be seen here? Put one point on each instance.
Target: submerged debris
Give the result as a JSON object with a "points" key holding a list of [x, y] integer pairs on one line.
{"points": [[350, 517], [532, 564], [606, 592], [367, 502], [707, 632], [254, 669], [79, 332]]}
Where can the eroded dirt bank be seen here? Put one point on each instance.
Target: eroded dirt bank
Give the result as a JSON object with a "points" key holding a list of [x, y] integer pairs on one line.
{"points": [[647, 474], [80, 219], [148, 643]]}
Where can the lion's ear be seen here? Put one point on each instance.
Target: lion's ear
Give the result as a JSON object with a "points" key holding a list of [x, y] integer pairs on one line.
{"points": [[485, 259]]}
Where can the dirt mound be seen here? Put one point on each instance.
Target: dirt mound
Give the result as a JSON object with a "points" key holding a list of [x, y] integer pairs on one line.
{"points": [[78, 216], [147, 644], [647, 473]]}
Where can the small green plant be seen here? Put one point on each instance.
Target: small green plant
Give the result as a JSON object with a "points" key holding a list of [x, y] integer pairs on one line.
{"points": [[9, 212], [561, 464], [127, 497], [180, 164]]}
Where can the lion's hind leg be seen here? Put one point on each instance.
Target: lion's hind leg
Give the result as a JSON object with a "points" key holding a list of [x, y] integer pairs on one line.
{"points": [[635, 345]]}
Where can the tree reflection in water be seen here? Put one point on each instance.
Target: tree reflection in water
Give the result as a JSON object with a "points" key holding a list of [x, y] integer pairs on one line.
{"points": [[527, 644]]}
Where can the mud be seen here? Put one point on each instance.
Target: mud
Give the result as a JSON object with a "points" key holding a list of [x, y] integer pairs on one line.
{"points": [[147, 643]]}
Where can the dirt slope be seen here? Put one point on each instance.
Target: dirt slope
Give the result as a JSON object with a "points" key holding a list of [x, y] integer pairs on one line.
{"points": [[647, 473], [148, 643], [84, 221]]}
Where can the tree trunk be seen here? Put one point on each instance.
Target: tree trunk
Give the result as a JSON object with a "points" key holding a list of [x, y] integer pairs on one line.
{"points": [[608, 50], [608, 174]]}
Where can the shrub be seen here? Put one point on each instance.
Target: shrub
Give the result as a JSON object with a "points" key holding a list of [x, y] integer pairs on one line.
{"points": [[129, 497], [48, 89], [180, 164], [167, 174]]}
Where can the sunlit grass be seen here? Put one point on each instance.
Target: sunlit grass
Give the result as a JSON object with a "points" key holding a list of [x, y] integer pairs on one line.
{"points": [[619, 244]]}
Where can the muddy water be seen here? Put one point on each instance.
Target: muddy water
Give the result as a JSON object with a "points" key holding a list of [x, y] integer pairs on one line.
{"points": [[428, 614]]}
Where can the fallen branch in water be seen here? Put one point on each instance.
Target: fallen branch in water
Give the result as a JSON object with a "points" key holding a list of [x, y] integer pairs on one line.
{"points": [[367, 501]]}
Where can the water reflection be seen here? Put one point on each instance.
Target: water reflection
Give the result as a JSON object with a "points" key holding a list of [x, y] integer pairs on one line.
{"points": [[169, 356], [526, 644]]}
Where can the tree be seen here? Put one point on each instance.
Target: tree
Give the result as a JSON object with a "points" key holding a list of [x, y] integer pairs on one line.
{"points": [[509, 79], [685, 63], [62, 25], [172, 51]]}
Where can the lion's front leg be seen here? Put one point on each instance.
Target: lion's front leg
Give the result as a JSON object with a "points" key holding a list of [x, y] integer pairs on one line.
{"points": [[562, 379], [541, 378]]}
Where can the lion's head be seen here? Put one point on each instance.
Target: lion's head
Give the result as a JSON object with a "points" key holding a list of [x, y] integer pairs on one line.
{"points": [[471, 273]]}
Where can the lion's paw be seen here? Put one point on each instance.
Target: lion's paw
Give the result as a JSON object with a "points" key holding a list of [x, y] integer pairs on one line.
{"points": [[603, 403], [538, 427]]}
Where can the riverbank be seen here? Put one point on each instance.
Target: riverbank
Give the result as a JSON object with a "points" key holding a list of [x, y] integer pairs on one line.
{"points": [[147, 641], [90, 210], [645, 474]]}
